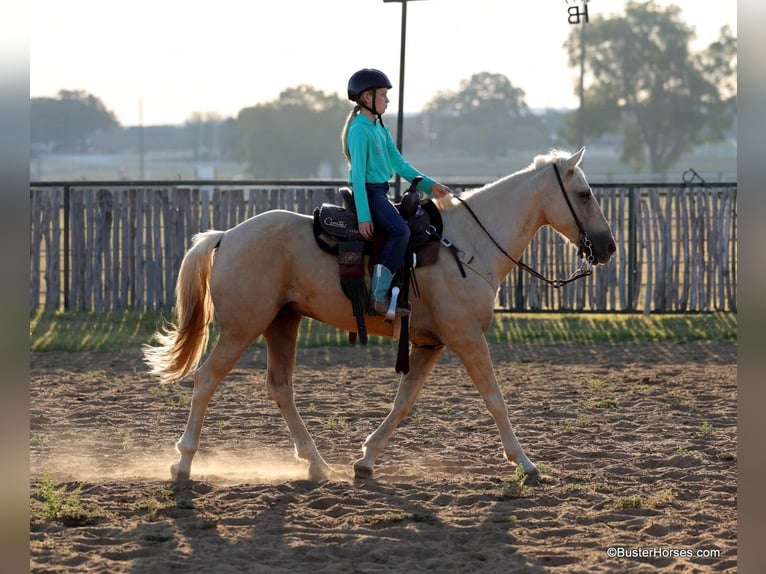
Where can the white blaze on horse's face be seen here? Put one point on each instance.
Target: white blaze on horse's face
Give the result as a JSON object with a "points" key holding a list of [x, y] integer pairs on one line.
{"points": [[584, 208]]}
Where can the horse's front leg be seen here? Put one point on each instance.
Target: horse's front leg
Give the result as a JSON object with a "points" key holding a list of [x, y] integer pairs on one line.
{"points": [[474, 354], [281, 343], [422, 360]]}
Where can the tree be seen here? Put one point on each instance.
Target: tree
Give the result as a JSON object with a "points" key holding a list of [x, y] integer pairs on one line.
{"points": [[68, 120], [487, 115], [646, 84], [292, 136]]}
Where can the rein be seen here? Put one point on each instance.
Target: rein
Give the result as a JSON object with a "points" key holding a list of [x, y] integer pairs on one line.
{"points": [[585, 269]]}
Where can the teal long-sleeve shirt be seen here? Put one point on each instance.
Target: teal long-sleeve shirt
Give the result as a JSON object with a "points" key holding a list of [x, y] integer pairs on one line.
{"points": [[374, 159]]}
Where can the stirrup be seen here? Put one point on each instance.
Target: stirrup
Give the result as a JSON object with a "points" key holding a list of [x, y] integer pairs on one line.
{"points": [[385, 309]]}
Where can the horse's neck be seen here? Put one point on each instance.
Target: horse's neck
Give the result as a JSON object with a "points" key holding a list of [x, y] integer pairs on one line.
{"points": [[510, 211]]}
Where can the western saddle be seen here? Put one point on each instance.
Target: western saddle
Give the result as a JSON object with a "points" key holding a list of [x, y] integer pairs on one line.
{"points": [[336, 231]]}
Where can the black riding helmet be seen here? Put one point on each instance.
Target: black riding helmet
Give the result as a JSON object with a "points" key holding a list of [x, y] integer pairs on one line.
{"points": [[367, 79]]}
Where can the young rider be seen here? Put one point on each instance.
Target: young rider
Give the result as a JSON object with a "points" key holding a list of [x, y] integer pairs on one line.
{"points": [[373, 159]]}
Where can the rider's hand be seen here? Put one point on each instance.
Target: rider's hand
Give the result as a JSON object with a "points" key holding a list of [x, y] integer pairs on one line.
{"points": [[366, 229], [440, 190]]}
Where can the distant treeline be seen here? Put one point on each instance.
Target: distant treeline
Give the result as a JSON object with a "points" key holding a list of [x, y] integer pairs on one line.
{"points": [[648, 93]]}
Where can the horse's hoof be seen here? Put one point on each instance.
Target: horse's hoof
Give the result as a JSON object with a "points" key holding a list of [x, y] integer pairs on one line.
{"points": [[532, 477], [177, 475], [362, 471], [319, 474]]}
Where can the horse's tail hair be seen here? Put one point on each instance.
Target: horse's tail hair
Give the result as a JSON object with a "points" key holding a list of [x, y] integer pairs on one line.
{"points": [[181, 345]]}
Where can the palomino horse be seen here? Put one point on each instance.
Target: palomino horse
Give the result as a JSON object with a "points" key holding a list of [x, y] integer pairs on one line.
{"points": [[267, 273]]}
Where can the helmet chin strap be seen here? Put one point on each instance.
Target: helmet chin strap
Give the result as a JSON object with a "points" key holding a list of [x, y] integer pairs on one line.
{"points": [[372, 109]]}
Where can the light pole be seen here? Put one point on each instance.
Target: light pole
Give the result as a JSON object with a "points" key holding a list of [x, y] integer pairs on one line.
{"points": [[575, 18], [400, 115]]}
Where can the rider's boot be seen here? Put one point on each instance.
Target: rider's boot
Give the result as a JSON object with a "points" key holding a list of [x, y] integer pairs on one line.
{"points": [[380, 302]]}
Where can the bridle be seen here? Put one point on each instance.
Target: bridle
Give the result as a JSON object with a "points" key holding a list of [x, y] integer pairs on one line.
{"points": [[586, 266]]}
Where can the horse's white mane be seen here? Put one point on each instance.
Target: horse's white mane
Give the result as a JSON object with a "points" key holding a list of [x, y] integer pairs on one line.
{"points": [[552, 156], [542, 160]]}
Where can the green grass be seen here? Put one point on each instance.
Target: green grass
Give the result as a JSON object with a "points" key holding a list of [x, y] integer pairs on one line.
{"points": [[656, 500], [116, 330], [516, 486], [59, 502], [94, 331], [612, 328]]}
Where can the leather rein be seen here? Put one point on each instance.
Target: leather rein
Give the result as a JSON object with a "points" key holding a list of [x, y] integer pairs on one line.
{"points": [[586, 267]]}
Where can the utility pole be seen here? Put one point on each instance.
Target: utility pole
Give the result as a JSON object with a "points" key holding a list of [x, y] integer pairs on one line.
{"points": [[141, 138]]}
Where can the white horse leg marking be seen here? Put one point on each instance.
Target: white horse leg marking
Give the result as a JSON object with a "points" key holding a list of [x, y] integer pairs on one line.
{"points": [[421, 362], [188, 444], [281, 391], [475, 356], [206, 381], [281, 341]]}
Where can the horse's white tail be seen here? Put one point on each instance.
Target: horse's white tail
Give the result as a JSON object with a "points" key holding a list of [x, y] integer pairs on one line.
{"points": [[181, 346]]}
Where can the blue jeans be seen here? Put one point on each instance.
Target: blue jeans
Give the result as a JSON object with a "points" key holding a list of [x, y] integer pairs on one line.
{"points": [[386, 216]]}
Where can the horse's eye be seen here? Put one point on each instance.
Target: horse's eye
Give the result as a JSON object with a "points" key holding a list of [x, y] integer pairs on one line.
{"points": [[584, 196]]}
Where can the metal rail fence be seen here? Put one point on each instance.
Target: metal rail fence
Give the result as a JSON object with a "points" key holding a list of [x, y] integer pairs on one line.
{"points": [[117, 245]]}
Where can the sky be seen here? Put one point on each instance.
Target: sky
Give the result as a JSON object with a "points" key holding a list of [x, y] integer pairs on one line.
{"points": [[159, 61]]}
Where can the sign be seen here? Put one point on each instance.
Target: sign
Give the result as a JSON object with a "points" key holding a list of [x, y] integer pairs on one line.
{"points": [[574, 11]]}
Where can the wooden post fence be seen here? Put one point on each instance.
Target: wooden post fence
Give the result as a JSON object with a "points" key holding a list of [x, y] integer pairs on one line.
{"points": [[118, 245]]}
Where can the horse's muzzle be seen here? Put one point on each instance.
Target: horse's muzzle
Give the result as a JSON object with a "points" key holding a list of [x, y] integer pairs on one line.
{"points": [[601, 248]]}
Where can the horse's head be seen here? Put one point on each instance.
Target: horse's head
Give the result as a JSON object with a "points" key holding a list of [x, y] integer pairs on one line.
{"points": [[572, 210]]}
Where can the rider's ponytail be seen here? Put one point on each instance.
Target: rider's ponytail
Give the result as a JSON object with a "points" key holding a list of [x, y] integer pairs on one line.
{"points": [[344, 132]]}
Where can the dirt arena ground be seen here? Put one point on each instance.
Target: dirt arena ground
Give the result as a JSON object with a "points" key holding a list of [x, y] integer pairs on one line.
{"points": [[637, 446]]}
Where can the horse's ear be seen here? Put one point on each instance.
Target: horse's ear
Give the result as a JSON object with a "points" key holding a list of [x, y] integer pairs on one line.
{"points": [[574, 160]]}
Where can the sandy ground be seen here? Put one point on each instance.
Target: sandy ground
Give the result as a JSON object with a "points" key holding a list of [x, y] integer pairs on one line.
{"points": [[637, 445]]}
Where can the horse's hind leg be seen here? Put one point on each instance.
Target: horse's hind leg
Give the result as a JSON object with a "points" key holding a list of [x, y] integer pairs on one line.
{"points": [[281, 342], [422, 360], [206, 380]]}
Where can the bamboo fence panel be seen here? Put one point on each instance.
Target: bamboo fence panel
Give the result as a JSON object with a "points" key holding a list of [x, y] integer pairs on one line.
{"points": [[37, 217], [45, 227], [126, 244]]}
